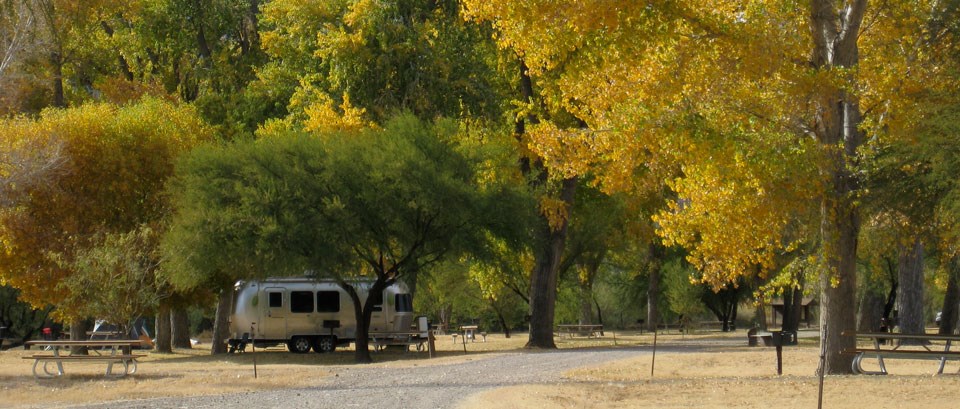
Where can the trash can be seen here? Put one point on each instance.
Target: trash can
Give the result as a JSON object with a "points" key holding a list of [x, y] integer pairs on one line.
{"points": [[423, 326], [782, 338]]}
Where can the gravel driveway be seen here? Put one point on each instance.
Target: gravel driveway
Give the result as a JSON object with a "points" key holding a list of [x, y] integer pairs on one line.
{"points": [[432, 386]]}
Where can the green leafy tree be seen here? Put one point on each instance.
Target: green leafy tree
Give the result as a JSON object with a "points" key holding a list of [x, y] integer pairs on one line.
{"points": [[385, 204], [21, 320], [116, 280], [417, 56]]}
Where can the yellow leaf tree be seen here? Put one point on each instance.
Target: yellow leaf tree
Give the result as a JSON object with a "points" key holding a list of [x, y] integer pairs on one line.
{"points": [[753, 110], [111, 167]]}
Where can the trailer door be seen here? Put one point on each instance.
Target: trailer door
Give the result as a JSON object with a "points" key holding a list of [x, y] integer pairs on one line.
{"points": [[378, 318], [274, 325]]}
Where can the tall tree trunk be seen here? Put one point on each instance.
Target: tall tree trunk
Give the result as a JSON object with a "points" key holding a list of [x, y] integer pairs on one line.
{"points": [[56, 63], [78, 331], [180, 328], [834, 33], [543, 281], [761, 316], [202, 44], [870, 314], [163, 344], [586, 302], [543, 278], [501, 318], [250, 35], [653, 286], [910, 271], [789, 322], [221, 325], [951, 299]]}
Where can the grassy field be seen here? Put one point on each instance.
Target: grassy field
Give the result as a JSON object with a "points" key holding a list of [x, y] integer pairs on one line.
{"points": [[711, 376]]}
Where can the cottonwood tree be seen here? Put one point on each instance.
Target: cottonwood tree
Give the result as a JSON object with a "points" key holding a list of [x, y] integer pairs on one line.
{"points": [[762, 85]]}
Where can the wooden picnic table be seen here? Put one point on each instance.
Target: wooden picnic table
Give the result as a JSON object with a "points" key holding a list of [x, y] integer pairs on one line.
{"points": [[119, 353], [888, 345], [585, 330]]}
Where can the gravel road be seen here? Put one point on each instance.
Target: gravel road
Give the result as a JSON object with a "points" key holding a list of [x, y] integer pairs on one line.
{"points": [[431, 386]]}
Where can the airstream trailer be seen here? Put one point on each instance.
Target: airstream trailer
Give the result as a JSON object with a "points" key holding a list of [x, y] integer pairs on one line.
{"points": [[306, 313]]}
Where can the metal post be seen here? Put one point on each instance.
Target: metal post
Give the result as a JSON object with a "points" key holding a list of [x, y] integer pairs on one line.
{"points": [[823, 365], [780, 359], [253, 349], [653, 360]]}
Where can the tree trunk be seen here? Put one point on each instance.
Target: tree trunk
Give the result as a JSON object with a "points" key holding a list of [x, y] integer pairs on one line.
{"points": [[837, 121], [56, 63], [951, 299], [163, 344], [180, 328], [202, 44], [78, 331], [761, 316], [221, 325], [653, 286], [501, 318], [543, 281], [870, 314], [363, 314], [586, 302], [910, 272]]}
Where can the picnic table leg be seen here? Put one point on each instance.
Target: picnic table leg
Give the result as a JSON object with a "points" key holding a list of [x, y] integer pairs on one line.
{"points": [[876, 345], [113, 351], [46, 372], [56, 352], [943, 359]]}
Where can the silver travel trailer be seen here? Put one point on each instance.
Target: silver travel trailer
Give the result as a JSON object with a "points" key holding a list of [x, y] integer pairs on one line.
{"points": [[306, 313]]}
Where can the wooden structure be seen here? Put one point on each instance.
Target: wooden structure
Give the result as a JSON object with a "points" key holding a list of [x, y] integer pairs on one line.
{"points": [[807, 310]]}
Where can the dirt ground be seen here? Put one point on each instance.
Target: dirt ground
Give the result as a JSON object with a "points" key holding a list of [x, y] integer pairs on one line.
{"points": [[717, 375]]}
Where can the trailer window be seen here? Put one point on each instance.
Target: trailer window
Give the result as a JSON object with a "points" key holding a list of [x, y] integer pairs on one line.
{"points": [[328, 301], [404, 303], [301, 301], [276, 300]]}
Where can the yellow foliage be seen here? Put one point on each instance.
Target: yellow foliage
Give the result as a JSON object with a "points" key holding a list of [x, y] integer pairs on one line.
{"points": [[721, 98], [555, 210], [115, 163], [323, 116]]}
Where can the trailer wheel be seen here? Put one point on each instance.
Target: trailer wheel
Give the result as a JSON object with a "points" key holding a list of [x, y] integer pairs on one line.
{"points": [[325, 344], [299, 345]]}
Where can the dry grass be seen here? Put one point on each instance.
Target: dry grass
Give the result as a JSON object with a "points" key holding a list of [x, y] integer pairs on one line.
{"points": [[732, 377], [716, 377]]}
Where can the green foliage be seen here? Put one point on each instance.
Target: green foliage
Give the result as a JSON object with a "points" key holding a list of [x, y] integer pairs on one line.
{"points": [[410, 55], [22, 321], [682, 292], [379, 202], [116, 279]]}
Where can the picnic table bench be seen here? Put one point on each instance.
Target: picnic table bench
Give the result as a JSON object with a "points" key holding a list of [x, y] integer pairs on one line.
{"points": [[119, 353], [583, 330], [381, 340], [887, 345]]}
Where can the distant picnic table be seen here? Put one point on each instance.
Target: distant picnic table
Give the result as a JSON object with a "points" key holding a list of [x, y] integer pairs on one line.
{"points": [[583, 330], [889, 345], [117, 352]]}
